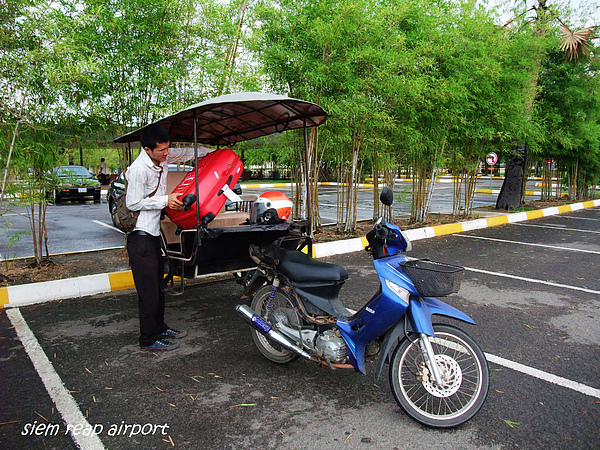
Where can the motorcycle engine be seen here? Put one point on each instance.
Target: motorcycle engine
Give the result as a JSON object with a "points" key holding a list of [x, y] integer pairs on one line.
{"points": [[332, 346]]}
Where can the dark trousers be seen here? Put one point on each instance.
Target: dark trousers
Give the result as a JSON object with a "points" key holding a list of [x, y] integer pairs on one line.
{"points": [[147, 267]]}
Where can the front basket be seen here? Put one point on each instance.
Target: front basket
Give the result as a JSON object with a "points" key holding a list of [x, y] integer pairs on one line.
{"points": [[433, 279]]}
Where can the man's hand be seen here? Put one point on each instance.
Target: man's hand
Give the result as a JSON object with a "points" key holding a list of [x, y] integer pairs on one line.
{"points": [[174, 202]]}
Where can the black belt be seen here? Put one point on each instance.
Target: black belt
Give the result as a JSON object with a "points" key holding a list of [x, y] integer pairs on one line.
{"points": [[141, 233]]}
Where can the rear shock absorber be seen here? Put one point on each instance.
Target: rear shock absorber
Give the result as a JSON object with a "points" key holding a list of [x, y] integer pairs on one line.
{"points": [[271, 299]]}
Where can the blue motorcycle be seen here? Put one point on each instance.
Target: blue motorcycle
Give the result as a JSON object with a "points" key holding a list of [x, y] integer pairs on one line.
{"points": [[438, 374]]}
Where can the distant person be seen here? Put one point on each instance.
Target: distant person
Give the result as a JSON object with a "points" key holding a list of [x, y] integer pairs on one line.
{"points": [[103, 172], [147, 193]]}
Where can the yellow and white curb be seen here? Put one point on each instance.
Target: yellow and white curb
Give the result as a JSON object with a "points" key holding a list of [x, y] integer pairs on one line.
{"points": [[28, 294]]}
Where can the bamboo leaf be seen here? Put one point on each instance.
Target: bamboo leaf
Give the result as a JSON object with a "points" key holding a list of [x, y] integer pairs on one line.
{"points": [[511, 423]]}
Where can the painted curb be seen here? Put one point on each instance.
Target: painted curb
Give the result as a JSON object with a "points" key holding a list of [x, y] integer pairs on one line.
{"points": [[349, 245], [29, 294]]}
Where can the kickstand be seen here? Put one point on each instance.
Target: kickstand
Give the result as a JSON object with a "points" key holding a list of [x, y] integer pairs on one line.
{"points": [[169, 282]]}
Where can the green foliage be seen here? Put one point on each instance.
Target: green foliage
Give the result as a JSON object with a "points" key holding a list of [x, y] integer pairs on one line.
{"points": [[342, 56], [36, 153], [85, 71], [569, 113], [420, 84]]}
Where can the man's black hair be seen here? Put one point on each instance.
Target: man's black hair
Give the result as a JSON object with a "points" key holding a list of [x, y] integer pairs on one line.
{"points": [[154, 134]]}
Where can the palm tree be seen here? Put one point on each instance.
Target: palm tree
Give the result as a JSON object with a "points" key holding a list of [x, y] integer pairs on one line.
{"points": [[576, 43]]}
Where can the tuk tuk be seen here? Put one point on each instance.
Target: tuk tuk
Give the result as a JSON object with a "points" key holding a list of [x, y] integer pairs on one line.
{"points": [[222, 245]]}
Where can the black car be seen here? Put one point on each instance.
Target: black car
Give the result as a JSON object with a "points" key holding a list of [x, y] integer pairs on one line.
{"points": [[117, 187], [74, 182]]}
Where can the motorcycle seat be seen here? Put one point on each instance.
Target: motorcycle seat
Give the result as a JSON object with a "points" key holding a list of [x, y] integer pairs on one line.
{"points": [[298, 266]]}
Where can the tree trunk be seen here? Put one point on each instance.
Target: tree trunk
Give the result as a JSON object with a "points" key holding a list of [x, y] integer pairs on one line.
{"points": [[375, 186], [573, 175], [339, 197], [511, 193], [513, 178]]}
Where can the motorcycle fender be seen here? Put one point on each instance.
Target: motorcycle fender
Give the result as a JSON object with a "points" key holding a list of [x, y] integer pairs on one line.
{"points": [[391, 339], [422, 308], [253, 281], [420, 312]]}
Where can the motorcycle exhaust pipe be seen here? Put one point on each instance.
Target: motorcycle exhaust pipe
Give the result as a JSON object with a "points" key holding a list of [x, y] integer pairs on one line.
{"points": [[261, 325]]}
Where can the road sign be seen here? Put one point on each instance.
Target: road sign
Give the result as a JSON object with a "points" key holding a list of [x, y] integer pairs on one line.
{"points": [[491, 158]]}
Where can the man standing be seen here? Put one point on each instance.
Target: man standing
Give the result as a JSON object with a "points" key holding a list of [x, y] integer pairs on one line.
{"points": [[146, 192], [102, 174]]}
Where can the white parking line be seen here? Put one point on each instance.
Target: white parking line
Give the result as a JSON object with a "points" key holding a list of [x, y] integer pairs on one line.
{"points": [[576, 217], [579, 387], [553, 247], [71, 414], [556, 227], [65, 403], [107, 226], [533, 280], [574, 385]]}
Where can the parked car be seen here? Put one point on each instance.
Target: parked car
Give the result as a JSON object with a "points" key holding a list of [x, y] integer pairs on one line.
{"points": [[117, 187], [74, 182]]}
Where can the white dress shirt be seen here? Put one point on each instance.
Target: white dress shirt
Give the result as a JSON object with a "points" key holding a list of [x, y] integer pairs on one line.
{"points": [[142, 178]]}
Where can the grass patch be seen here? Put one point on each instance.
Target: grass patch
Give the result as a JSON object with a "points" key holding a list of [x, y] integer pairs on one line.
{"points": [[521, 209]]}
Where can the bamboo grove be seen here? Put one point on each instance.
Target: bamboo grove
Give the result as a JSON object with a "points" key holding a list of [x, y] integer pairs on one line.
{"points": [[413, 87]]}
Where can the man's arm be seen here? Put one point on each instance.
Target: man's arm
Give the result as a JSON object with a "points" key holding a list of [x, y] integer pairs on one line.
{"points": [[187, 153]]}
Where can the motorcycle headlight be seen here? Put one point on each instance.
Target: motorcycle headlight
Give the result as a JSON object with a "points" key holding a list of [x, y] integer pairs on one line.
{"points": [[398, 290]]}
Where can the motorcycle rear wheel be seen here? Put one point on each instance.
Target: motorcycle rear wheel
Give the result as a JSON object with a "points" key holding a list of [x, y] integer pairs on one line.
{"points": [[463, 368], [282, 311]]}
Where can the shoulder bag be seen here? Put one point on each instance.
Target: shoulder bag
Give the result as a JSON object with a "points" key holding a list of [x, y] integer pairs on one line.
{"points": [[124, 218]]}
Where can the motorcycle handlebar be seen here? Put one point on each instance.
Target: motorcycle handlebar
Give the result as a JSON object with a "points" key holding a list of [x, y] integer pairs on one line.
{"points": [[386, 236], [383, 232]]}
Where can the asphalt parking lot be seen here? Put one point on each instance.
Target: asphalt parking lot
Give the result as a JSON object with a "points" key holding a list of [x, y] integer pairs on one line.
{"points": [[532, 288]]}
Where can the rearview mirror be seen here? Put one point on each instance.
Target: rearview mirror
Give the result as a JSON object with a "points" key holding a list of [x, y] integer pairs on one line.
{"points": [[386, 196]]}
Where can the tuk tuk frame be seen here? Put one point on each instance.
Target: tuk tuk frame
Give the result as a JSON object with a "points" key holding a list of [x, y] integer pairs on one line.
{"points": [[224, 121]]}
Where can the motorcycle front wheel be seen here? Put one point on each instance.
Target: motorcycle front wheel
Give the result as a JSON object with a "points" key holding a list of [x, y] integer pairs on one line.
{"points": [[464, 373], [281, 311]]}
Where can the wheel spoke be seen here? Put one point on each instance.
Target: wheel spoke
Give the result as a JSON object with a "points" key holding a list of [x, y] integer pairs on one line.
{"points": [[464, 374], [281, 311]]}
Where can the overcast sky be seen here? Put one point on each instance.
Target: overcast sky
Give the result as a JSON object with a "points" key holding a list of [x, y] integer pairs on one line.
{"points": [[586, 12]]}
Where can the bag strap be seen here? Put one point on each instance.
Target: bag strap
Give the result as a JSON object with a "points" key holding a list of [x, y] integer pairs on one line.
{"points": [[157, 184], [155, 189]]}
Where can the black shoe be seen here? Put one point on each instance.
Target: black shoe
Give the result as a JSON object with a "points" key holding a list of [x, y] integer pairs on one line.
{"points": [[160, 345], [173, 334]]}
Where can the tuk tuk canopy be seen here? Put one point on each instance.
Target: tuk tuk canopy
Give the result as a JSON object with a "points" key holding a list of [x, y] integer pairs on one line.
{"points": [[225, 120]]}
